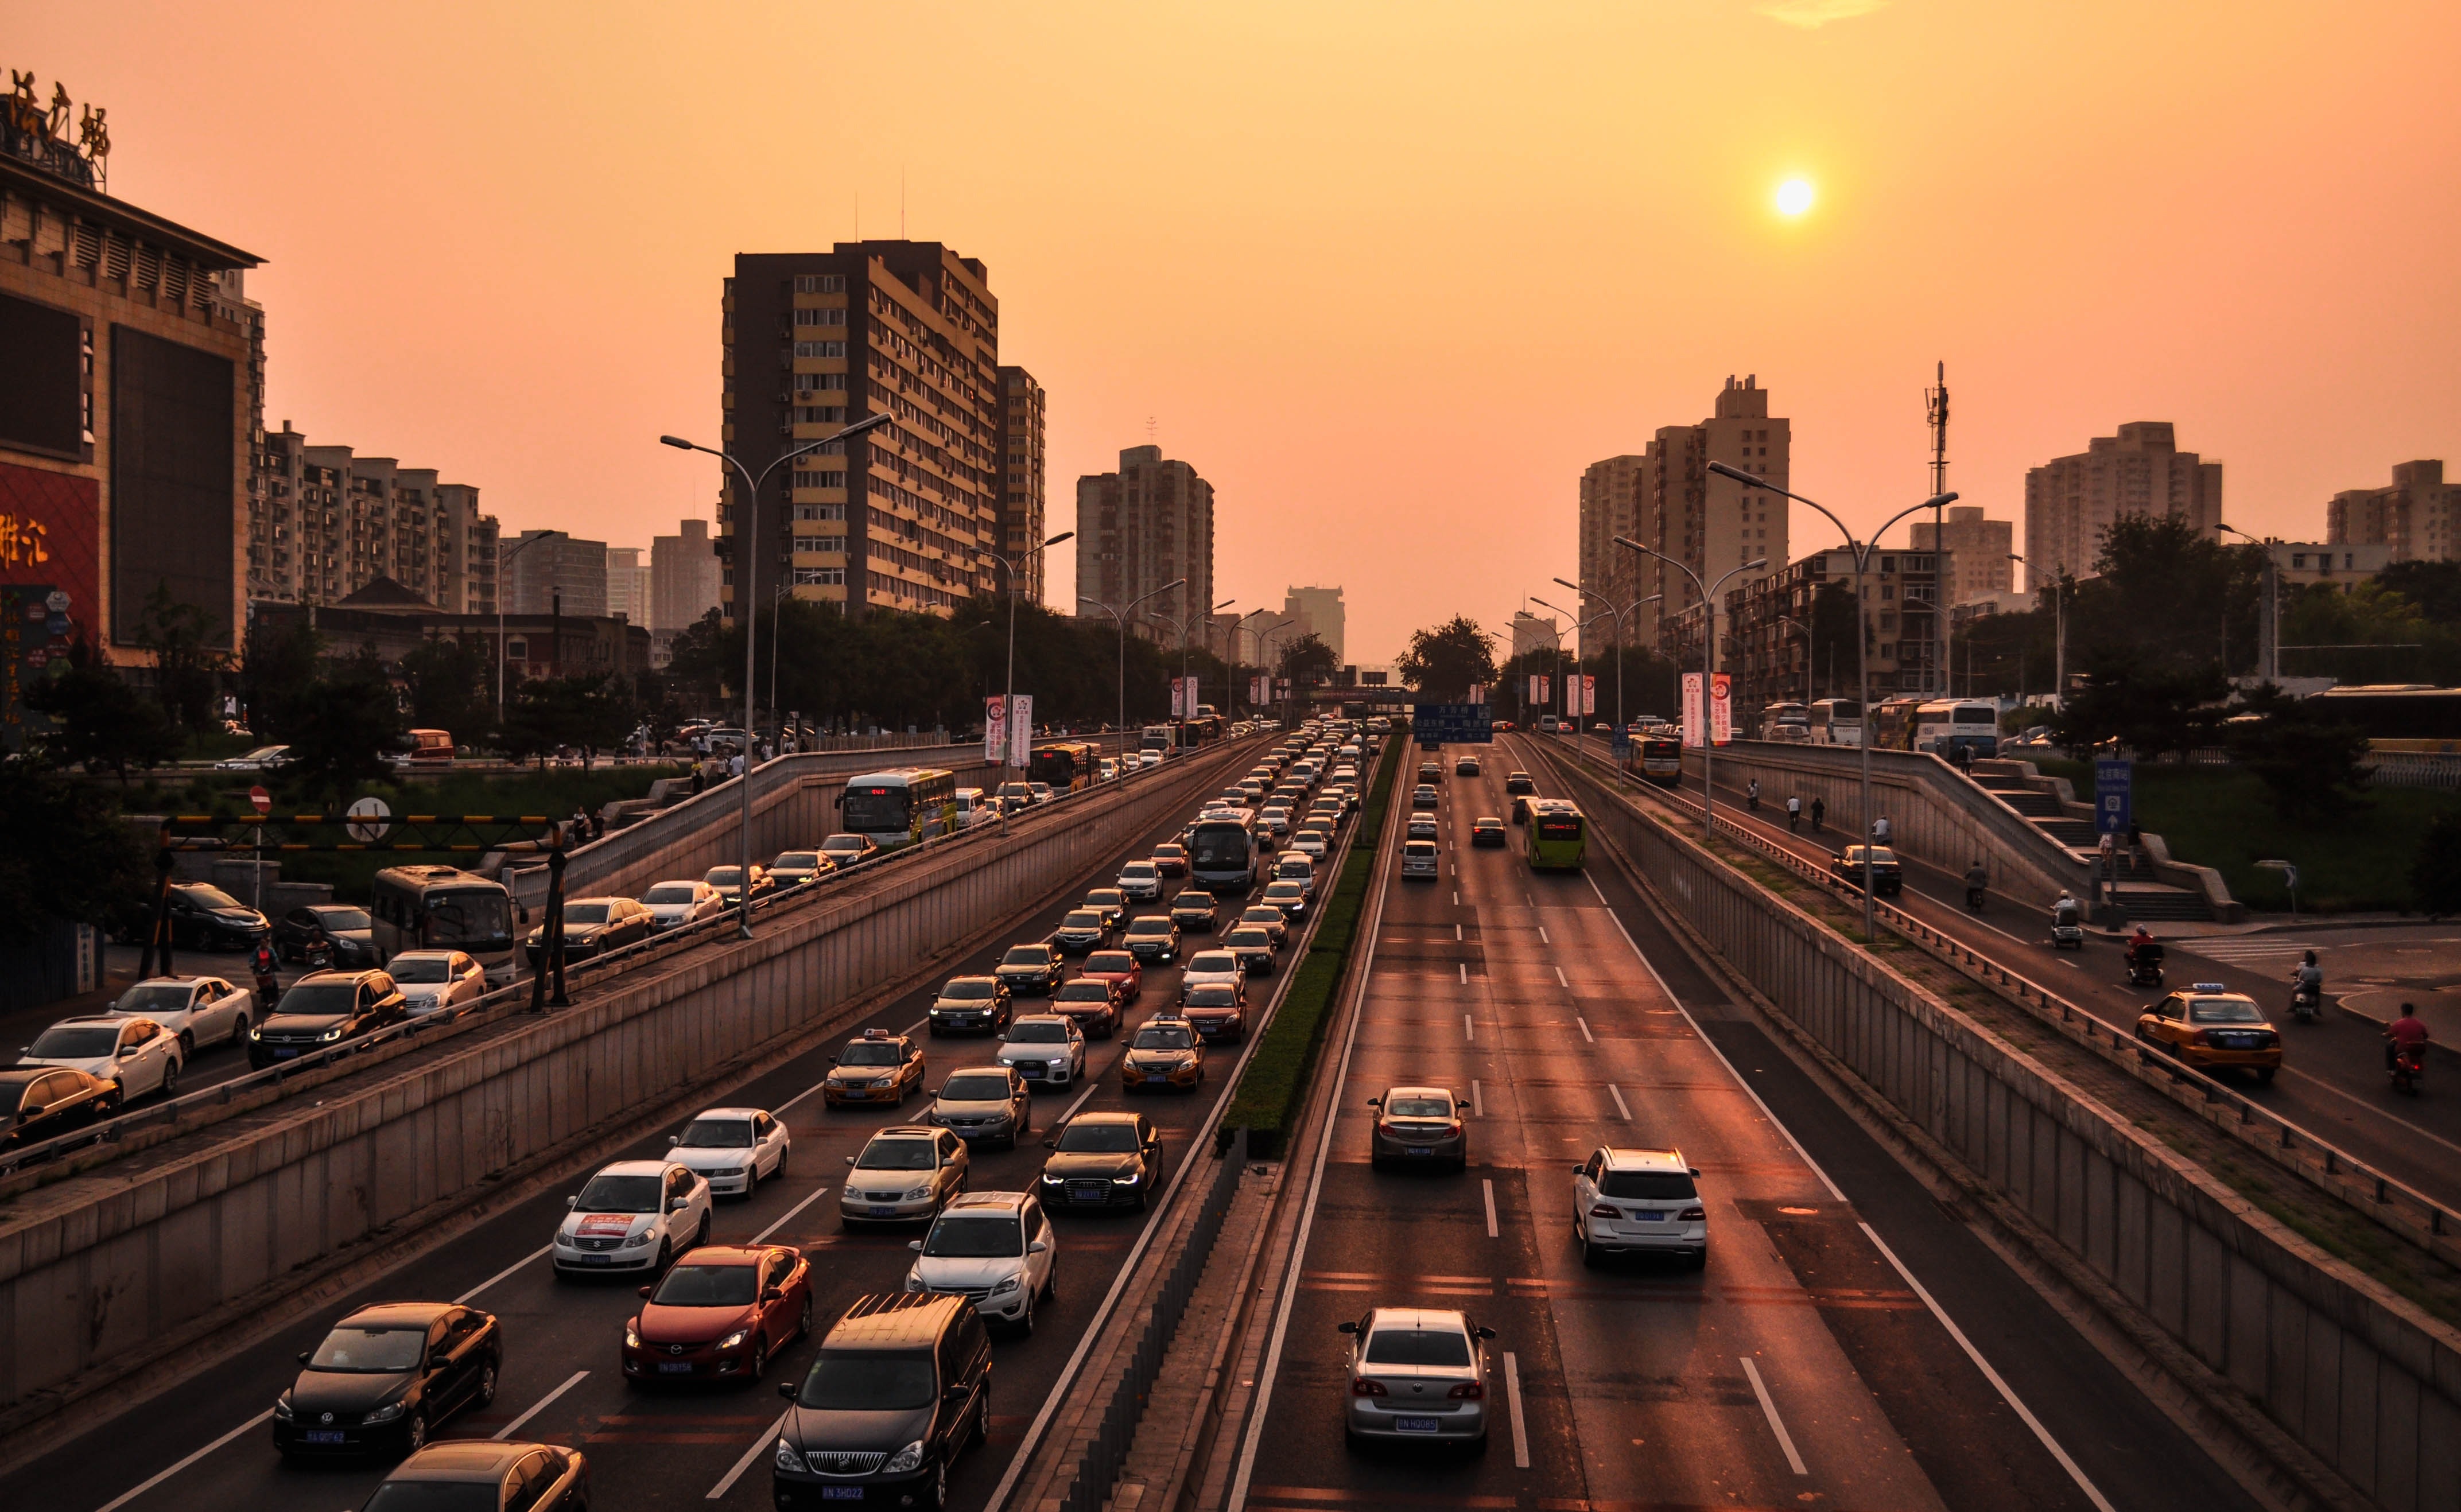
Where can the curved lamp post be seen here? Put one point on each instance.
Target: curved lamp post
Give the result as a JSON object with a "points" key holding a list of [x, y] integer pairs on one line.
{"points": [[1120, 617], [1009, 570], [1708, 669]]}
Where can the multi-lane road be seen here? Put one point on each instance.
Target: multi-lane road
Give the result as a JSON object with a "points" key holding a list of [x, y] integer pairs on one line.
{"points": [[1848, 1345]]}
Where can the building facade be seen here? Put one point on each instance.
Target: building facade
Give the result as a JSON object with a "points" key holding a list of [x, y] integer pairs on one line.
{"points": [[2344, 565], [333, 521], [1976, 551], [683, 577], [1025, 485], [628, 585], [1320, 611], [816, 340], [1143, 527], [1532, 633], [2071, 501], [1765, 641], [541, 570], [2418, 519], [1611, 506]]}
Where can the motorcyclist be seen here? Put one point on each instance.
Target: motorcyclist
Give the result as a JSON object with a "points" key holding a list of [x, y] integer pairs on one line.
{"points": [[2406, 1032], [1978, 877], [2309, 979], [2141, 938], [1880, 830], [2063, 909], [267, 969], [1793, 812], [1819, 812]]}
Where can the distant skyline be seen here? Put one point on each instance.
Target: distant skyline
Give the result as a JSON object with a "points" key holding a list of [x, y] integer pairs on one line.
{"points": [[1390, 275]]}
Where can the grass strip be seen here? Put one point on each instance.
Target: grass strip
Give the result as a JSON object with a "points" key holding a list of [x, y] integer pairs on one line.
{"points": [[1267, 1101]]}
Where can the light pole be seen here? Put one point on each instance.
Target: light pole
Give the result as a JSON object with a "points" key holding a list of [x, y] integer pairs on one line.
{"points": [[1184, 626], [749, 564], [1263, 640], [1233, 691], [1708, 669], [1580, 627], [1008, 708], [503, 560], [1120, 617], [1788, 619], [2059, 633], [1862, 552], [1618, 614], [2268, 661]]}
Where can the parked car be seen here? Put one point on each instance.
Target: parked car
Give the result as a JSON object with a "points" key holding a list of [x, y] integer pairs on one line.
{"points": [[325, 1008], [43, 1103], [386, 1376]]}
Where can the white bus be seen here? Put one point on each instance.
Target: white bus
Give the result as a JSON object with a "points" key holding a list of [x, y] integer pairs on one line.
{"points": [[442, 908], [894, 809], [1945, 725], [1785, 721], [1837, 722], [1223, 856]]}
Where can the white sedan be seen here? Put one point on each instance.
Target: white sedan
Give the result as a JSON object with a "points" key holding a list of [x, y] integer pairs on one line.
{"points": [[733, 1148], [675, 904], [635, 1215], [437, 981], [199, 1010], [1212, 968], [137, 1054], [1140, 881]]}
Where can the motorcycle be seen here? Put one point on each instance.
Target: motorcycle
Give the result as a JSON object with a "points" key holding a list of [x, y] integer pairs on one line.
{"points": [[2408, 1065], [1973, 897], [2145, 965], [2306, 1001]]}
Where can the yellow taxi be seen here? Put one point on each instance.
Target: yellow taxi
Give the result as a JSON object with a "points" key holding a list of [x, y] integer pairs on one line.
{"points": [[878, 1067], [1166, 1054], [2212, 1028]]}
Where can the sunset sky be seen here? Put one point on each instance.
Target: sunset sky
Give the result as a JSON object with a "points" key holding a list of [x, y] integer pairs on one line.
{"points": [[1388, 274]]}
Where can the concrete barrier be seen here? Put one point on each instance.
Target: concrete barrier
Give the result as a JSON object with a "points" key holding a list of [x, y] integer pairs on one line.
{"points": [[115, 1270], [2362, 1386]]}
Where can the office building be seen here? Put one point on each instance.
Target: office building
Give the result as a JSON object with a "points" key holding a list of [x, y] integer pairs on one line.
{"points": [[1319, 610], [1610, 574], [628, 585], [333, 522], [1763, 631], [2417, 517], [683, 577], [1144, 525], [1978, 564], [2071, 501], [547, 573], [1024, 482], [816, 340]]}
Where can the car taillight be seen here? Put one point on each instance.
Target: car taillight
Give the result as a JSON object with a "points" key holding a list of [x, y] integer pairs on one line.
{"points": [[1602, 1210], [1692, 1215], [2200, 1037], [1468, 1392], [1361, 1386]]}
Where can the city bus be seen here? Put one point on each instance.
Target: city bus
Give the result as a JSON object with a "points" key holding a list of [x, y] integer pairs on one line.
{"points": [[1223, 856], [1893, 724], [894, 809], [1659, 759], [1790, 722], [1944, 726], [442, 908], [1558, 833], [1067, 765], [1837, 722]]}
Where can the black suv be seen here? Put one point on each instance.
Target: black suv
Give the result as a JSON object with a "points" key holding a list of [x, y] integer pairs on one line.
{"points": [[322, 1009], [900, 1388], [1032, 971]]}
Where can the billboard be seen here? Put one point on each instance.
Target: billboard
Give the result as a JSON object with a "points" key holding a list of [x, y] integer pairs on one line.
{"points": [[34, 644], [50, 536], [174, 480]]}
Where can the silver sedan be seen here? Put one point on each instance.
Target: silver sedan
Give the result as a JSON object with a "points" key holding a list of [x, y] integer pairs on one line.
{"points": [[1417, 1373]]}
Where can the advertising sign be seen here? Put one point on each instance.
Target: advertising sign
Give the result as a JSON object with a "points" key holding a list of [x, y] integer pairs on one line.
{"points": [[1721, 709], [1589, 692], [29, 651], [1020, 732], [1692, 712], [2114, 782], [995, 728], [1177, 698]]}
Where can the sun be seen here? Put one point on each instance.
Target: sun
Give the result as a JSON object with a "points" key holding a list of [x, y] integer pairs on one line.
{"points": [[1793, 197]]}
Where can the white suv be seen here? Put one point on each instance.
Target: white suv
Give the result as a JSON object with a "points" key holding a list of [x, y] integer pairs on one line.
{"points": [[1630, 1201], [635, 1215], [1140, 881], [994, 1249], [1046, 1049]]}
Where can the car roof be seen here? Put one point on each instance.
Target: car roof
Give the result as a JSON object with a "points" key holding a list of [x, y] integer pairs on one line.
{"points": [[634, 1168], [728, 1113], [1419, 1318], [90, 1021], [730, 1254], [472, 1459], [905, 1131], [360, 976], [175, 979], [1418, 1092], [394, 1315], [996, 1202], [444, 950], [1103, 1115], [896, 1319], [974, 976], [1631, 1158], [1039, 1018], [19, 1076]]}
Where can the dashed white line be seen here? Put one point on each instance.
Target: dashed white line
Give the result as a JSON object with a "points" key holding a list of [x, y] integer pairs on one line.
{"points": [[763, 1237], [146, 1486], [1585, 1028], [751, 1456], [506, 1271], [1541, 936], [537, 1407], [1457, 931], [1513, 1402], [1777, 1424], [1488, 1183], [1477, 1108], [1617, 1093], [1561, 980], [1467, 1037], [1464, 971]]}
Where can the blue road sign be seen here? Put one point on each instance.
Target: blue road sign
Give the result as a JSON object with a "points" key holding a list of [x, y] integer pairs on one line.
{"points": [[2114, 796], [1459, 724]]}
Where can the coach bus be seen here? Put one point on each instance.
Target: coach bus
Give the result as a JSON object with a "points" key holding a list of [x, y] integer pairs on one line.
{"points": [[1785, 721], [1067, 765], [1558, 833], [442, 908], [1837, 722], [894, 809], [1223, 856], [1945, 726]]}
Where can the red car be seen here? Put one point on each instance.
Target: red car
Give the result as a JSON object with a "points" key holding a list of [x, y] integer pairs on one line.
{"points": [[720, 1314], [1170, 858], [1094, 1002], [1121, 969]]}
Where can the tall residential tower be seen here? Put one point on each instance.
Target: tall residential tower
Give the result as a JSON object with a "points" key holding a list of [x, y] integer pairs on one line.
{"points": [[1143, 527]]}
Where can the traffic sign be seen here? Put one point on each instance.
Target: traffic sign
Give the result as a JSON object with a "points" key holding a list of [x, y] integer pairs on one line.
{"points": [[368, 819], [2113, 795], [1462, 724], [260, 798]]}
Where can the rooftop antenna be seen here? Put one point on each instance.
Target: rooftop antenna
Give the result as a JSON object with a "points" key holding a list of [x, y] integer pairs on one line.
{"points": [[1936, 412], [900, 202], [1150, 431]]}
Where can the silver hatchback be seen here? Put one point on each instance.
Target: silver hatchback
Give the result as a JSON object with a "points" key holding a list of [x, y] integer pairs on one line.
{"points": [[1417, 1373]]}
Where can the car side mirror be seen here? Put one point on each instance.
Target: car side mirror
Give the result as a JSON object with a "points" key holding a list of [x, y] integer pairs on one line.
{"points": [[915, 1244], [1485, 1333], [954, 1394], [305, 1356], [1376, 1102], [126, 1051], [1051, 1144], [786, 1389], [1581, 1169], [673, 1139], [571, 1202], [772, 1294], [645, 1292], [1345, 1326], [833, 1060], [1038, 1247], [1693, 1173], [676, 1205], [849, 1159]]}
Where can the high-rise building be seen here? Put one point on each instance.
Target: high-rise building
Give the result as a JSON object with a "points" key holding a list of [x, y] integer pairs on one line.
{"points": [[2419, 517], [1532, 633], [628, 585], [1765, 641], [558, 574], [1611, 506], [1143, 527], [1320, 611], [1025, 487], [334, 521], [816, 340], [683, 577], [1978, 564], [2071, 501]]}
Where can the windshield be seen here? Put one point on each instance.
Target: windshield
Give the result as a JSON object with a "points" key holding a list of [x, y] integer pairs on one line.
{"points": [[1221, 846], [723, 876], [620, 1194], [1099, 1138], [432, 1495], [1418, 1347], [420, 969], [852, 1381], [1082, 991], [798, 860], [840, 844], [1161, 1036], [319, 999], [330, 918], [717, 1134], [970, 989], [469, 916], [1037, 1035], [1262, 915], [75, 1044], [206, 896], [896, 1155], [1107, 898], [670, 892], [1138, 868], [975, 1089], [1249, 938], [1027, 955], [975, 1238], [1408, 1107], [1285, 889], [1664, 1186], [1212, 996], [1204, 961], [1082, 919], [2223, 1011], [160, 997], [875, 809], [585, 913], [708, 1287], [1105, 962], [1169, 848], [869, 1053], [373, 1351], [1142, 927]]}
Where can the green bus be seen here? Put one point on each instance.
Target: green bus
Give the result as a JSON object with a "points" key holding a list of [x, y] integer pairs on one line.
{"points": [[1558, 835]]}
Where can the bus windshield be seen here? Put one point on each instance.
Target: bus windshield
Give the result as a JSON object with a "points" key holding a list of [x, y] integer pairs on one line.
{"points": [[876, 809], [469, 916], [1219, 845]]}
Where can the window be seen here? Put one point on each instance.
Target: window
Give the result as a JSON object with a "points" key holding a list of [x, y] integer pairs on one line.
{"points": [[820, 348], [819, 542], [821, 577], [806, 512], [819, 283], [819, 317]]}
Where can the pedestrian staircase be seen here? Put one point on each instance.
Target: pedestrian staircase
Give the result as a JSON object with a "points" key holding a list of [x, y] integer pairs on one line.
{"points": [[2134, 890]]}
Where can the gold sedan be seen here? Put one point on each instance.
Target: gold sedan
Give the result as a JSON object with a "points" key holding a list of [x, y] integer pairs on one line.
{"points": [[2213, 1029], [1167, 1053]]}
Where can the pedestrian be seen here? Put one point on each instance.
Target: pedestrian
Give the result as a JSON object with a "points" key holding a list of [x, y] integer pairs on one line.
{"points": [[698, 782], [1819, 812], [1752, 795], [735, 764], [1880, 830], [1793, 812]]}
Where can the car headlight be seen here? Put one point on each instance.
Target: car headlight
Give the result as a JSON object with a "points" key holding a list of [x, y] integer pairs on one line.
{"points": [[387, 1413], [735, 1338], [1005, 1287], [913, 1282], [329, 1035], [786, 1459], [907, 1458], [918, 1194], [1049, 1180], [1130, 1180], [631, 1334], [282, 1408], [256, 1030], [639, 1240]]}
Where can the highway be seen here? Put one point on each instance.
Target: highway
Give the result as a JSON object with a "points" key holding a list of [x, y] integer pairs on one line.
{"points": [[204, 1446], [1832, 1354]]}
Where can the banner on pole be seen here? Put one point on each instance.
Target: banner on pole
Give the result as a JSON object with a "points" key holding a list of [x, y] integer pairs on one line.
{"points": [[1020, 732], [1589, 692], [995, 728], [1721, 709], [1692, 712], [1178, 691], [1478, 693], [1191, 696]]}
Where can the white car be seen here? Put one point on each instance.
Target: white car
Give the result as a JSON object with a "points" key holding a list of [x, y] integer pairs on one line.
{"points": [[1421, 826], [1140, 881], [1628, 1200], [199, 1010], [635, 1215], [138, 1054], [1296, 868], [437, 981], [1213, 969], [733, 1148], [1146, 758], [264, 759], [673, 905], [1046, 1050], [996, 1248], [1309, 842]]}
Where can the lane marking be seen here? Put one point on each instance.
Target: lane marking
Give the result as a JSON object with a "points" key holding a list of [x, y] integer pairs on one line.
{"points": [[1560, 980], [2008, 1393], [1467, 1037], [1092, 1086], [1617, 1093], [780, 1111], [1488, 1183], [541, 1405], [1457, 931], [817, 1192], [2070, 965], [1777, 1424], [143, 1486], [766, 1443], [1456, 896], [1541, 936], [1477, 1108], [1513, 1402], [1464, 971], [1585, 1028], [506, 1271]]}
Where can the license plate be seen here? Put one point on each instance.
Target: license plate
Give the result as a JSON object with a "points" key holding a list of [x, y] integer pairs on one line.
{"points": [[1649, 1218], [675, 1366], [1150, 1077], [1418, 1149], [840, 1493], [1415, 1425], [1031, 1074], [284, 1054], [325, 1436], [596, 1260]]}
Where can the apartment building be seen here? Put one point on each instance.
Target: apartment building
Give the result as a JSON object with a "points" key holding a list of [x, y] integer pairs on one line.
{"points": [[333, 522], [628, 585], [1611, 506], [1025, 487], [1320, 614], [2418, 517], [683, 577], [546, 572], [1764, 634], [1140, 527], [2071, 501], [1976, 551]]}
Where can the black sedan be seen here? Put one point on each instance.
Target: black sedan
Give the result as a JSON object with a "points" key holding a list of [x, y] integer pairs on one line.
{"points": [[1103, 1160], [387, 1377], [1888, 877], [1032, 971], [1084, 930], [322, 1010], [42, 1102], [1193, 909], [1253, 946], [339, 927], [205, 918], [595, 926]]}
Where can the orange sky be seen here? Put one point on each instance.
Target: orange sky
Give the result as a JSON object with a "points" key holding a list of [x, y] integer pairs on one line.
{"points": [[1388, 274]]}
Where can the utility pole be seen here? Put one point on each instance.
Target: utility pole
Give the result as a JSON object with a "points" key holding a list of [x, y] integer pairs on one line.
{"points": [[1936, 411]]}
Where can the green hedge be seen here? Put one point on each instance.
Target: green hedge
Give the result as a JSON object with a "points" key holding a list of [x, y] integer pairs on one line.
{"points": [[1267, 1101]]}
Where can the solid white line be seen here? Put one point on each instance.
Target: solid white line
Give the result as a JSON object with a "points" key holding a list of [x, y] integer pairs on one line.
{"points": [[817, 1192], [1512, 1401], [506, 1271], [780, 1111], [1560, 980], [2070, 965], [764, 1444], [1490, 1184], [143, 1486], [1769, 1410], [2006, 1392], [1477, 1108], [1617, 1093], [537, 1407], [1464, 971], [1585, 1028], [1467, 1037], [1092, 1087]]}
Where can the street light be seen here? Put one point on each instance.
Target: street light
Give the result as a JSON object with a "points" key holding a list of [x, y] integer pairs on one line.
{"points": [[1709, 670], [1008, 710], [1264, 638], [1618, 614], [2269, 662], [1580, 627], [1862, 553], [749, 562], [2059, 633], [503, 560], [1184, 626], [1120, 617], [1233, 691]]}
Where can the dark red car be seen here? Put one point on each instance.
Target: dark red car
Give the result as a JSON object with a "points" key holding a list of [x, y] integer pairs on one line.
{"points": [[720, 1314], [1120, 968], [1094, 1002], [1170, 858]]}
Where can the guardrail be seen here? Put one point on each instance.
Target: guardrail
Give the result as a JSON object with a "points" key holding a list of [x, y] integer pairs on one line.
{"points": [[2403, 1210]]}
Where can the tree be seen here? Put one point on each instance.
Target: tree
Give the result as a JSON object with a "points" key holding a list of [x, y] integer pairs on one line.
{"points": [[2146, 708], [451, 687], [1445, 662], [1834, 651], [2433, 588], [277, 676], [2435, 872], [187, 667], [2170, 597], [65, 853], [350, 719], [2308, 760], [1307, 661], [549, 714], [102, 720]]}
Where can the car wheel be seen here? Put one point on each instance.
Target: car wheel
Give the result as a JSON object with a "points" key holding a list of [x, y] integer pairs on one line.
{"points": [[1050, 1283], [414, 1434], [187, 1045], [803, 1320], [700, 1236], [239, 1030], [171, 1078], [939, 1485], [485, 1396], [752, 1177], [1025, 1320], [2264, 1076], [759, 1359], [665, 1253], [1699, 1259]]}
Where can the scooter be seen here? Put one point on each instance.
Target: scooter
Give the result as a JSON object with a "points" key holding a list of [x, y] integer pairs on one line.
{"points": [[2409, 1066], [1973, 897], [2067, 932], [2306, 1002], [2145, 965]]}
